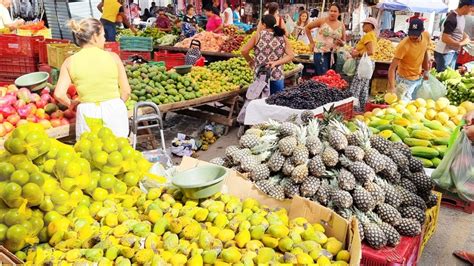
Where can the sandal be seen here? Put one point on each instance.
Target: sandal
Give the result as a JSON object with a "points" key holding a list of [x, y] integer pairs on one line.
{"points": [[465, 256]]}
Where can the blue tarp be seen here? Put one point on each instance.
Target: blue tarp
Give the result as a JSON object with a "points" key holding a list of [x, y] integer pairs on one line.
{"points": [[422, 6]]}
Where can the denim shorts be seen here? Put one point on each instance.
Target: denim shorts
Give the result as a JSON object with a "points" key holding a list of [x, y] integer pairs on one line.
{"points": [[407, 89]]}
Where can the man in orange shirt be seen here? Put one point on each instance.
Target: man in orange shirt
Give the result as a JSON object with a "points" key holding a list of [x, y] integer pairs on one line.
{"points": [[410, 63]]}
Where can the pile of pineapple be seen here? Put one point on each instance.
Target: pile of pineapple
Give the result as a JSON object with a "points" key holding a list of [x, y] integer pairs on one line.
{"points": [[354, 173]]}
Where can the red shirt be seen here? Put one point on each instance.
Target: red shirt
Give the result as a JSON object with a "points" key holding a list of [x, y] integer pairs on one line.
{"points": [[163, 22], [213, 23]]}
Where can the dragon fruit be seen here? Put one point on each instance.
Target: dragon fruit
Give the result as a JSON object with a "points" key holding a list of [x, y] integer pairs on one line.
{"points": [[7, 110], [7, 100]]}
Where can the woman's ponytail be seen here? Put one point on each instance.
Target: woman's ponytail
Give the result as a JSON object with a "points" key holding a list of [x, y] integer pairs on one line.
{"points": [[278, 31], [270, 22]]}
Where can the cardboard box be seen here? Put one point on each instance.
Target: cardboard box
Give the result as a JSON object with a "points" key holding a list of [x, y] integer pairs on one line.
{"points": [[345, 231]]}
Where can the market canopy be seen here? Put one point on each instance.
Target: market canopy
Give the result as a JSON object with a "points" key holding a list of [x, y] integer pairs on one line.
{"points": [[422, 6]]}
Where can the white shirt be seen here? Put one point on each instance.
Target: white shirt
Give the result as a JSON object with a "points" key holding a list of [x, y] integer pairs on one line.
{"points": [[5, 18], [230, 15]]}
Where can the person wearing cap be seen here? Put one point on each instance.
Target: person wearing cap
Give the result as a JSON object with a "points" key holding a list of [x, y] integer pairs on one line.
{"points": [[410, 62], [368, 43], [453, 37]]}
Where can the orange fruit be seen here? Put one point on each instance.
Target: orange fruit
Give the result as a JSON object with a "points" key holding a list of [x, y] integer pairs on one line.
{"points": [[62, 163], [33, 137], [115, 158], [127, 152], [27, 166], [100, 158], [110, 145], [122, 142], [16, 233], [6, 169], [15, 145], [100, 194], [73, 169], [51, 216], [59, 197], [107, 181], [105, 132], [37, 178], [20, 177], [33, 193], [13, 217], [3, 232], [11, 191], [131, 179]]}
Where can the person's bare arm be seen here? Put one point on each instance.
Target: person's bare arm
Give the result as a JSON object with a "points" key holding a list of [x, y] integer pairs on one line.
{"points": [[370, 48], [100, 6], [288, 57], [447, 39], [226, 18], [122, 78], [64, 81], [391, 74], [127, 23], [343, 38], [313, 24], [247, 48], [426, 62]]}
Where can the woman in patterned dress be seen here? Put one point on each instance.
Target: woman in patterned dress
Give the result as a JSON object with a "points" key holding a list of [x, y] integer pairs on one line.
{"points": [[271, 49], [331, 35]]}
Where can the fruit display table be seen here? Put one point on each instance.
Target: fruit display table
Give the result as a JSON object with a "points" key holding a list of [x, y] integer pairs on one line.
{"points": [[204, 53]]}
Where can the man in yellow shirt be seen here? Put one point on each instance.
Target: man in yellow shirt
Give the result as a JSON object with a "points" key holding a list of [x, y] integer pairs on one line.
{"points": [[411, 62], [112, 12]]}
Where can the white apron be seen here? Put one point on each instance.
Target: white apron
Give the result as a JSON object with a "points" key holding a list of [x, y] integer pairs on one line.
{"points": [[112, 112]]}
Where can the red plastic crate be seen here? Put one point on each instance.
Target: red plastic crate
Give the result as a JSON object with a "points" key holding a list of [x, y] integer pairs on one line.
{"points": [[406, 253], [346, 109], [452, 201], [174, 59], [125, 55], [17, 65], [112, 47], [7, 80], [43, 48], [14, 45]]}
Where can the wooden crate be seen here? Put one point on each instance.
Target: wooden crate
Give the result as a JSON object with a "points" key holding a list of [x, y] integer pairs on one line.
{"points": [[378, 86]]}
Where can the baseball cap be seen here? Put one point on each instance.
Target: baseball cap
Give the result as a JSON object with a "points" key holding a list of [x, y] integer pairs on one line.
{"points": [[466, 3], [416, 27], [372, 21]]}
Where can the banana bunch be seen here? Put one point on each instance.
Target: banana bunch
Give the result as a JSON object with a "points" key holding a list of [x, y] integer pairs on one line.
{"points": [[300, 47]]}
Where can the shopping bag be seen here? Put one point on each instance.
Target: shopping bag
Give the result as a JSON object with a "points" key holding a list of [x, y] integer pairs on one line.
{"points": [[340, 60], [456, 171], [349, 67], [431, 88], [365, 68]]}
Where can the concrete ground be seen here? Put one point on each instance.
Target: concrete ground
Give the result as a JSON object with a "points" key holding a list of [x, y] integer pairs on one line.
{"points": [[455, 229]]}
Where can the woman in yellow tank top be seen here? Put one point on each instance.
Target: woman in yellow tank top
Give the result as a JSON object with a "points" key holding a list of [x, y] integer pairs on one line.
{"points": [[100, 80]]}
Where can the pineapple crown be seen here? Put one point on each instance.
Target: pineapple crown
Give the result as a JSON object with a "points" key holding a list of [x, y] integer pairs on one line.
{"points": [[373, 217], [360, 215], [313, 127], [273, 124], [301, 133], [339, 126], [292, 118], [344, 160], [363, 135]]}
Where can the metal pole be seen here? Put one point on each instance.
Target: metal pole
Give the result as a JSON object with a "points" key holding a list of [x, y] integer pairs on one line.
{"points": [[261, 11]]}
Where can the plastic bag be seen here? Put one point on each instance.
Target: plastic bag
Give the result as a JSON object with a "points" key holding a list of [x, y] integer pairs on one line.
{"points": [[366, 67], [349, 67], [340, 60], [456, 171], [431, 88]]}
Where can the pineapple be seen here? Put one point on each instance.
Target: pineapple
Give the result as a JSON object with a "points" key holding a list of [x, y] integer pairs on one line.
{"points": [[330, 157], [249, 141], [431, 200], [255, 131], [259, 172], [398, 157], [307, 116], [393, 178], [300, 173], [276, 161], [362, 172], [267, 185], [323, 194], [405, 172], [408, 185], [393, 237], [408, 227], [388, 214], [310, 186], [350, 136], [339, 197], [346, 180], [377, 193], [403, 148], [372, 157], [301, 153], [410, 199], [287, 145], [418, 202], [313, 143], [390, 165], [249, 162], [414, 213], [422, 181], [354, 153], [415, 165], [291, 189], [230, 150], [381, 144], [392, 197], [362, 199], [337, 140], [316, 166], [288, 129], [277, 192], [344, 213], [373, 235], [361, 230], [239, 155], [288, 167], [219, 161]]}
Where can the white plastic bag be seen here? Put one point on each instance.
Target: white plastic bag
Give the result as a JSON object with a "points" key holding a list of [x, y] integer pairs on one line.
{"points": [[366, 67], [431, 88], [349, 67]]}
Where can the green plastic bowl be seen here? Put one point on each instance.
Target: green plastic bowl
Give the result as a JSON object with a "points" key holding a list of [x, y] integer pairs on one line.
{"points": [[182, 70], [32, 79], [201, 181]]}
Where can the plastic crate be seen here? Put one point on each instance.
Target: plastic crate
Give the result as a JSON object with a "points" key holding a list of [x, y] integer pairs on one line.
{"points": [[464, 57], [125, 55], [431, 222], [7, 79], [17, 65], [134, 43], [113, 47], [58, 52], [406, 253], [346, 109], [174, 59], [15, 45], [43, 48], [451, 200]]}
